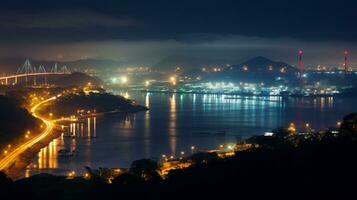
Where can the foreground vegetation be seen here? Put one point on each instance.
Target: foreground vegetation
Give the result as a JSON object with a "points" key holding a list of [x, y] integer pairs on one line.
{"points": [[283, 166], [15, 121]]}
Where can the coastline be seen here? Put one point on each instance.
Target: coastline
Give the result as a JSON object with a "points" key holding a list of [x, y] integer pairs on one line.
{"points": [[247, 94], [16, 169]]}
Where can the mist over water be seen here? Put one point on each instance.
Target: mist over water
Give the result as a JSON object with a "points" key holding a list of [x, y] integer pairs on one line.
{"points": [[177, 121]]}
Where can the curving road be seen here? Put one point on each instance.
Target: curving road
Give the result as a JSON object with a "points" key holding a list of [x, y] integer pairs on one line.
{"points": [[13, 155]]}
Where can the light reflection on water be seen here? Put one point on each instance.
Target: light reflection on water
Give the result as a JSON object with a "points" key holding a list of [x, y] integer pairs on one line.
{"points": [[177, 121]]}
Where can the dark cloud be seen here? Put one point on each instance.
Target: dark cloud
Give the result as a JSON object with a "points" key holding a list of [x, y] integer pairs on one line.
{"points": [[149, 30], [62, 19], [105, 19]]}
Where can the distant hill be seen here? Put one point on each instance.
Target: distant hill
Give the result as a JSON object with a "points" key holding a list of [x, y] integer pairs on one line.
{"points": [[186, 63], [257, 69], [102, 64], [262, 64], [77, 79], [190, 64]]}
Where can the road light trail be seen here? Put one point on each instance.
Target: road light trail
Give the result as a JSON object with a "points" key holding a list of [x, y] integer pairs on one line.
{"points": [[13, 155]]}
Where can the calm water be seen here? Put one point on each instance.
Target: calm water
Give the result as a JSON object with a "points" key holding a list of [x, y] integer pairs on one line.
{"points": [[177, 121]]}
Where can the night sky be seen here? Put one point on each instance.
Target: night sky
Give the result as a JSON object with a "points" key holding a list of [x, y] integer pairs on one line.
{"points": [[143, 32]]}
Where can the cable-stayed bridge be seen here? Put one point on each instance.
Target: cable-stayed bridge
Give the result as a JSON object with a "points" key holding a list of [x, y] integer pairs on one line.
{"points": [[27, 71]]}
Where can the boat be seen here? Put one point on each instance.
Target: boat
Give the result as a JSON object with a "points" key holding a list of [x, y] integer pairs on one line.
{"points": [[66, 153], [68, 134]]}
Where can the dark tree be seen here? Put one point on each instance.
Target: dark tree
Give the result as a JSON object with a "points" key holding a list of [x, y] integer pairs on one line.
{"points": [[203, 158], [349, 124], [145, 168]]}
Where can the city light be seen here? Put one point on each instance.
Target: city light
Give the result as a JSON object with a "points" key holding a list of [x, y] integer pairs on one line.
{"points": [[124, 79], [86, 175], [114, 80], [292, 128], [71, 175], [173, 80]]}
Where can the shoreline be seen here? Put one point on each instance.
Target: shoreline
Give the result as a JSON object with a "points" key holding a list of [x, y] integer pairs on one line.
{"points": [[245, 95], [16, 169]]}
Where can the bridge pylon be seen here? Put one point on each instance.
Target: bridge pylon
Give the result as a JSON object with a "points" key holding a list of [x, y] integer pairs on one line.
{"points": [[55, 68], [64, 70], [26, 68]]}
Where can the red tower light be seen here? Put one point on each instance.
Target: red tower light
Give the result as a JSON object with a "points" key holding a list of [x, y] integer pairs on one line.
{"points": [[300, 63], [346, 61]]}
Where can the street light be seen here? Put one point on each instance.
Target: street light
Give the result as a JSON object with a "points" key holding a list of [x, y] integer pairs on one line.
{"points": [[292, 128], [86, 175], [193, 148]]}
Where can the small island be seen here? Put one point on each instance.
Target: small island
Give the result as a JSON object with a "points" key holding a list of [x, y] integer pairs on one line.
{"points": [[84, 103]]}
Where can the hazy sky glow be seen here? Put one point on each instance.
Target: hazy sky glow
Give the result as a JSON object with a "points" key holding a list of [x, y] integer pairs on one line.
{"points": [[143, 32]]}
